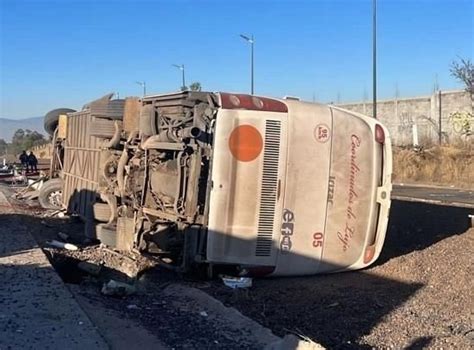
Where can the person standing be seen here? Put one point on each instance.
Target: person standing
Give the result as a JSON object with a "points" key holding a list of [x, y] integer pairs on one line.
{"points": [[32, 162], [24, 160]]}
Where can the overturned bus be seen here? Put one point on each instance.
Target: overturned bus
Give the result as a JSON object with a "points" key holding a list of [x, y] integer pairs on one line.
{"points": [[257, 185]]}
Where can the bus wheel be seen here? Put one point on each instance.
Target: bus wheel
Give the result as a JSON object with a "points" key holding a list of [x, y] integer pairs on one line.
{"points": [[52, 117], [51, 193]]}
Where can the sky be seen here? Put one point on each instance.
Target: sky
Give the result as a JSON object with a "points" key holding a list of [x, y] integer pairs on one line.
{"points": [[67, 53]]}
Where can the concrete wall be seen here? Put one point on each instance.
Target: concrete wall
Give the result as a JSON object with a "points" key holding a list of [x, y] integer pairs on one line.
{"points": [[44, 151], [402, 114]]}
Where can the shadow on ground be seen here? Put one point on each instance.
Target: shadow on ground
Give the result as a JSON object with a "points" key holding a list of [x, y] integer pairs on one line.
{"points": [[416, 226]]}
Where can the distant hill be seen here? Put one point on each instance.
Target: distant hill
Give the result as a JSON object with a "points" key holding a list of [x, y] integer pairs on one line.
{"points": [[9, 126]]}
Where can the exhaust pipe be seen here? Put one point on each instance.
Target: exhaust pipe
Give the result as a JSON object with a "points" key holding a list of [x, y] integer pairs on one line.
{"points": [[175, 136], [192, 132]]}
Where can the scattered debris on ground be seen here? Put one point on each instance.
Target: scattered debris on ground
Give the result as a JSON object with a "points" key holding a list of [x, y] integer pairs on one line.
{"points": [[237, 282], [119, 289], [121, 266], [31, 189], [58, 244], [291, 341]]}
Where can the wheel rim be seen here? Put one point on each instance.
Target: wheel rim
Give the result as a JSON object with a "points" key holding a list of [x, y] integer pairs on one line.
{"points": [[55, 198]]}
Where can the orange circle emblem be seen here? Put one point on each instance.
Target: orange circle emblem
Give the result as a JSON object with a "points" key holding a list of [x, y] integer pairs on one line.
{"points": [[245, 143]]}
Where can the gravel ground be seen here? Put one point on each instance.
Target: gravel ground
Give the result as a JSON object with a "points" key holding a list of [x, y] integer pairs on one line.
{"points": [[418, 294], [440, 313]]}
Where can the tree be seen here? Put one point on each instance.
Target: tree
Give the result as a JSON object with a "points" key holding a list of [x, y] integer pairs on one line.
{"points": [[3, 147], [196, 86], [463, 70], [26, 139]]}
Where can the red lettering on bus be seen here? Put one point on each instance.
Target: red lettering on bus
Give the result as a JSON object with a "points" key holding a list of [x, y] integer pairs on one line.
{"points": [[318, 238]]}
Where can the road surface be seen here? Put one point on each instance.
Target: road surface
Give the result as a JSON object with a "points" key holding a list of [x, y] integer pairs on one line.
{"points": [[434, 195], [37, 310]]}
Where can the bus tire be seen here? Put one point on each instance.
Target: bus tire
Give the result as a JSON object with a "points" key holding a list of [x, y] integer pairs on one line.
{"points": [[50, 194], [52, 117]]}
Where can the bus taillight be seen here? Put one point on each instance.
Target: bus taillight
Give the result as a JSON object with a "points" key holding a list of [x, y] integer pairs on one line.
{"points": [[379, 134]]}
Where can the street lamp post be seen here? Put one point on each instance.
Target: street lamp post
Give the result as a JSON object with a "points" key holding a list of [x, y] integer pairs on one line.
{"points": [[181, 68], [251, 41], [374, 57], [143, 85]]}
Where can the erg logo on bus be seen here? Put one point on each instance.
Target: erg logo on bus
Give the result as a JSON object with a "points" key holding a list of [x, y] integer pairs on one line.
{"points": [[287, 229]]}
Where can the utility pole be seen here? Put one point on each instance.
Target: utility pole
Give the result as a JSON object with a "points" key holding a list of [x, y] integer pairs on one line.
{"points": [[440, 127], [397, 95], [365, 97]]}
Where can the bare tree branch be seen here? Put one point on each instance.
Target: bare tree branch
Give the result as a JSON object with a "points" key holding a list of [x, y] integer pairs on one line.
{"points": [[463, 70]]}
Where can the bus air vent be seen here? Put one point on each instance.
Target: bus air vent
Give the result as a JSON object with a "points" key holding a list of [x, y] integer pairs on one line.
{"points": [[271, 156]]}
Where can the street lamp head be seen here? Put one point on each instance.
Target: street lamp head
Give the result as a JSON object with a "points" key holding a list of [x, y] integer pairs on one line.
{"points": [[143, 85], [179, 66], [245, 37]]}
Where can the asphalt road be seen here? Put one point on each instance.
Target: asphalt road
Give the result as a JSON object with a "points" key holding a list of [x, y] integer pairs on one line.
{"points": [[434, 195], [37, 310]]}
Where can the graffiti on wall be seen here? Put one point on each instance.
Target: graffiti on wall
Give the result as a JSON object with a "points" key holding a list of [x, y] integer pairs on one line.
{"points": [[462, 123]]}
